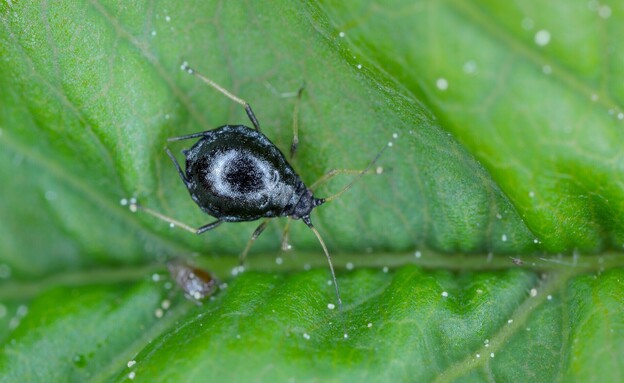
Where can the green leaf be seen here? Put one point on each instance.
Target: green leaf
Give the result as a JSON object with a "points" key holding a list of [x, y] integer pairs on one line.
{"points": [[486, 245]]}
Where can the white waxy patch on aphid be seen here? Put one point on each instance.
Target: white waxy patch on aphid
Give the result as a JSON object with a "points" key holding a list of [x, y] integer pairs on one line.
{"points": [[279, 260], [442, 83], [350, 266], [470, 67], [341, 34], [131, 375], [131, 363], [331, 306], [533, 292], [542, 37], [418, 254], [504, 237], [306, 336], [158, 313], [445, 294]]}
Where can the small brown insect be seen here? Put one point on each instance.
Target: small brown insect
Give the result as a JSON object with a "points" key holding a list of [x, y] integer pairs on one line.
{"points": [[196, 283]]}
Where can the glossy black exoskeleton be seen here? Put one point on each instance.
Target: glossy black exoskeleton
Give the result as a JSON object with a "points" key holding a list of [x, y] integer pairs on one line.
{"points": [[235, 173]]}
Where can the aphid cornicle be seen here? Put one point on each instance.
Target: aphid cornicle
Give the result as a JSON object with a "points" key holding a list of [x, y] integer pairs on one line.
{"points": [[235, 173]]}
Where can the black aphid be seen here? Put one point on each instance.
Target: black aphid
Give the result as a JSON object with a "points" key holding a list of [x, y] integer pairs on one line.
{"points": [[235, 173]]}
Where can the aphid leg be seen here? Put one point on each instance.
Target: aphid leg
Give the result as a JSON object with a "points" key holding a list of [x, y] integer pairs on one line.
{"points": [[254, 236], [185, 67], [177, 165], [135, 206], [209, 226], [307, 221], [295, 141], [285, 245]]}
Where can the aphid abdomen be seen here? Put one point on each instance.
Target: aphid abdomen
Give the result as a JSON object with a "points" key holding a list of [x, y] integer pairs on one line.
{"points": [[236, 174]]}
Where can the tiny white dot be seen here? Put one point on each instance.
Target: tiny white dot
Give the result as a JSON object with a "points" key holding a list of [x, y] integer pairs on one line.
{"points": [[306, 336], [527, 23], [445, 294], [620, 116], [385, 269], [470, 67], [390, 143], [172, 225], [153, 33], [167, 116], [491, 355], [158, 313], [307, 267], [498, 216], [341, 34], [131, 363], [131, 375], [155, 277], [536, 240], [604, 11], [359, 66], [279, 260], [369, 325], [531, 194], [346, 336], [479, 291], [331, 306], [510, 321], [379, 169], [442, 83], [504, 237], [542, 37], [167, 18], [123, 202], [478, 355], [594, 97], [165, 304], [547, 69], [418, 254], [395, 135], [549, 297], [350, 266], [533, 292]]}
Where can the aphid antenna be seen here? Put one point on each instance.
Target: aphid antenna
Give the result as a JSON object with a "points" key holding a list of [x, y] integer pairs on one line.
{"points": [[360, 174], [308, 222]]}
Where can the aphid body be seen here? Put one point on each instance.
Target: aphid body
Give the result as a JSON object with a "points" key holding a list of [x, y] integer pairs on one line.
{"points": [[235, 173]]}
